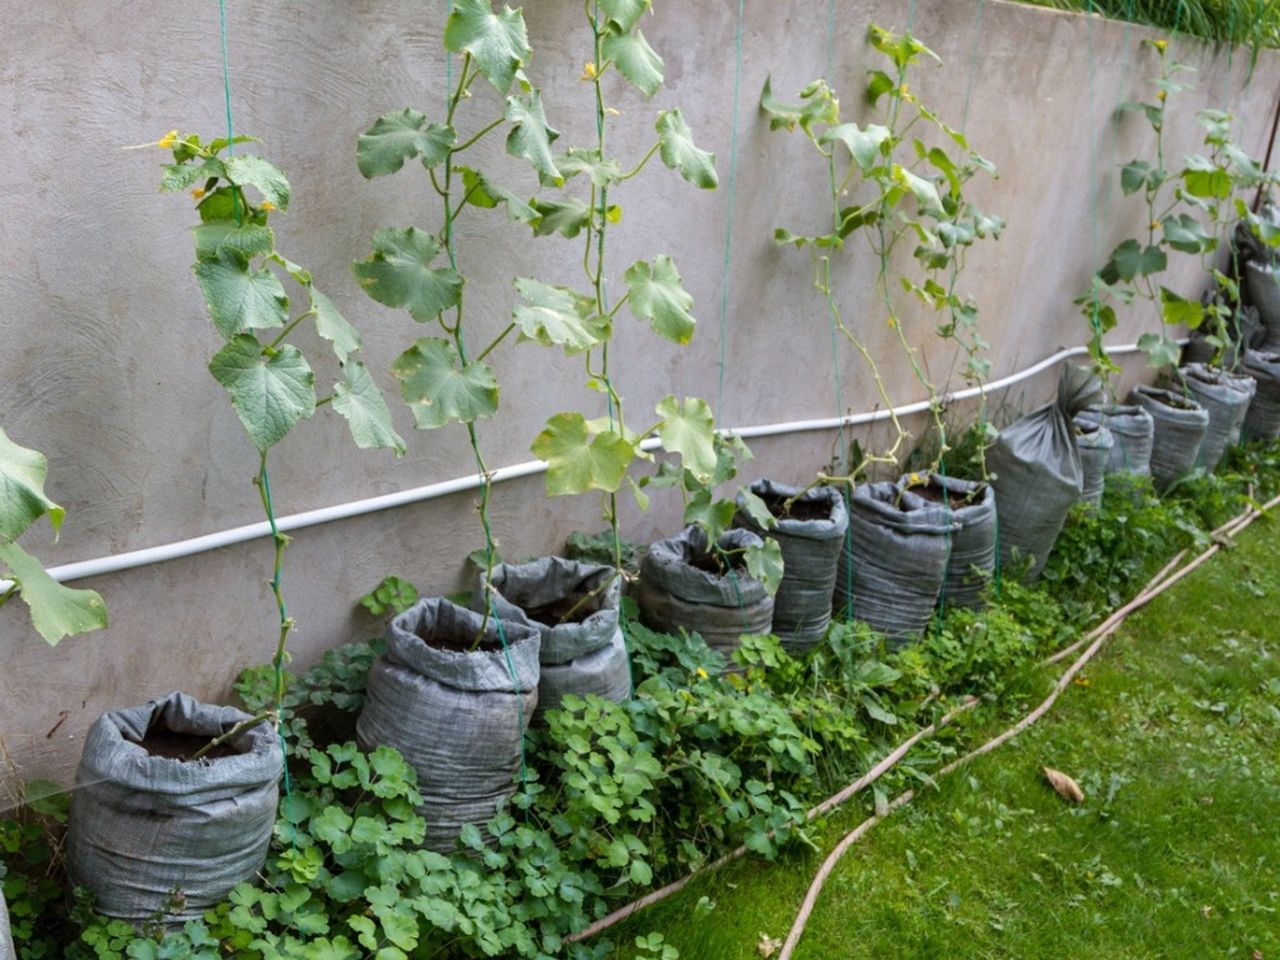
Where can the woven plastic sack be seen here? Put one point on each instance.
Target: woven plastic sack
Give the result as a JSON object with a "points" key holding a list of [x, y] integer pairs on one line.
{"points": [[892, 569], [1262, 422], [1247, 244], [971, 558], [143, 826], [584, 654], [1095, 443], [1180, 425], [810, 539], [1226, 398], [1245, 330], [1263, 281], [1038, 473], [457, 715], [681, 588], [6, 940], [1132, 435]]}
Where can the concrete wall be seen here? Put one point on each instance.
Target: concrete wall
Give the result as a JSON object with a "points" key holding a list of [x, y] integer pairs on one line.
{"points": [[105, 340]]}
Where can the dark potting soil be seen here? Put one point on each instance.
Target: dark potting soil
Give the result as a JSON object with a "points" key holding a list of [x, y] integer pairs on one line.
{"points": [[936, 493], [162, 742], [714, 565], [573, 608], [465, 643], [1176, 402], [800, 510]]}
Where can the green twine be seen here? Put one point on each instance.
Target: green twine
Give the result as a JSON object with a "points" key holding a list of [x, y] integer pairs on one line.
{"points": [[731, 198], [973, 65]]}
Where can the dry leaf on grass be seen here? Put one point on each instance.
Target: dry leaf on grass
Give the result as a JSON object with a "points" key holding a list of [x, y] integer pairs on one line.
{"points": [[767, 945], [1065, 787]]}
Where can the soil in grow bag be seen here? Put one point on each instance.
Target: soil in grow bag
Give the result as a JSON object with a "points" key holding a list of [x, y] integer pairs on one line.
{"points": [[971, 559], [1262, 422], [1226, 398], [146, 820], [1132, 435], [456, 709], [684, 585], [895, 560], [574, 606], [810, 529], [1180, 425], [1095, 443]]}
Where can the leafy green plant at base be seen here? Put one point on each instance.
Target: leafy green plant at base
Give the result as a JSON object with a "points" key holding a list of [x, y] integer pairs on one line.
{"points": [[56, 611], [1255, 23], [269, 381], [392, 595]]}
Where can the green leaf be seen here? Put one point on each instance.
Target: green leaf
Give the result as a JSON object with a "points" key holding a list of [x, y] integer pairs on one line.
{"points": [[689, 430], [225, 204], [484, 193], [181, 176], [399, 274], [22, 496], [655, 294], [1185, 233], [558, 316], [712, 515], [439, 389], [497, 42], [56, 611], [1179, 312], [638, 62], [1206, 180], [358, 399], [624, 14], [766, 564], [531, 136], [332, 825], [754, 507], [247, 239], [1133, 176], [925, 191], [603, 173], [678, 151], [247, 170], [238, 298], [397, 137], [1161, 351], [333, 326], [566, 217], [579, 460], [269, 393], [782, 236], [818, 105], [864, 145], [1129, 259]]}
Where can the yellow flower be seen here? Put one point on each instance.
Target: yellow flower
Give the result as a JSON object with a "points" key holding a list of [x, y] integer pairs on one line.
{"points": [[1161, 44], [588, 70], [916, 478], [905, 89], [197, 193], [168, 140], [268, 205], [702, 674]]}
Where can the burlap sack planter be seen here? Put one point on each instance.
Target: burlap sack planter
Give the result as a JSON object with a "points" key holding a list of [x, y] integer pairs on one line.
{"points": [[1180, 425], [1095, 443], [971, 559], [810, 536], [574, 607], [682, 585], [894, 562], [1263, 281], [457, 715], [1262, 422], [1226, 398], [145, 824], [1132, 435], [1038, 474]]}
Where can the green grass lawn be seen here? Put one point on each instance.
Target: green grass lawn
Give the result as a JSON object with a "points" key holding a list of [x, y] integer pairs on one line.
{"points": [[1174, 734]]}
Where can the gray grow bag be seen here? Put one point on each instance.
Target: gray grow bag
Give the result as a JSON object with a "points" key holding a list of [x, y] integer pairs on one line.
{"points": [[1262, 422], [1038, 473], [1132, 435], [6, 940], [679, 587], [457, 715], [810, 538], [584, 654], [144, 825], [1095, 443], [1180, 425], [972, 556], [1263, 281], [891, 573], [1226, 398]]}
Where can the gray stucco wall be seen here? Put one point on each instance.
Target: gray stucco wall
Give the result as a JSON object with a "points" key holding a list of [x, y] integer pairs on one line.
{"points": [[105, 341]]}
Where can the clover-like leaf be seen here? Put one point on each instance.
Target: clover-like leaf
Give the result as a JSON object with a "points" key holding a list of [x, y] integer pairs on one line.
{"points": [[864, 144], [1137, 175], [247, 239], [239, 298], [579, 458], [655, 294], [558, 316], [482, 192], [358, 399], [679, 152], [270, 392], [249, 170], [818, 105], [439, 388], [333, 326], [766, 564], [497, 42], [638, 62], [22, 497], [531, 136], [566, 217], [399, 274], [400, 136], [689, 429], [57, 611], [624, 14]]}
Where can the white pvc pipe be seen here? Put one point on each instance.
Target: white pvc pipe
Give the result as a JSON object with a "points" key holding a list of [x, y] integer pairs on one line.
{"points": [[433, 491]]}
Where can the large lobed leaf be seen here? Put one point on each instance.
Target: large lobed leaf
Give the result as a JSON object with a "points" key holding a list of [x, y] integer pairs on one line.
{"points": [[56, 611], [497, 42], [252, 171], [22, 496], [270, 392], [688, 429], [638, 62], [358, 399], [439, 388], [399, 273], [531, 136], [581, 457], [558, 316], [397, 137], [238, 297], [679, 152], [655, 293]]}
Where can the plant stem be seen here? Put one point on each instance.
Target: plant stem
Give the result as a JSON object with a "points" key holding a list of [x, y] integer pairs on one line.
{"points": [[462, 146], [496, 340], [235, 731], [280, 541], [641, 165], [13, 588], [289, 329]]}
